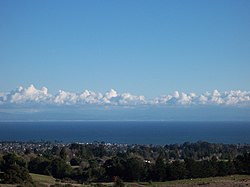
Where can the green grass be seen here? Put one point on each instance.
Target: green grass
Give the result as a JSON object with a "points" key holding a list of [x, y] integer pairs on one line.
{"points": [[42, 178], [233, 178]]}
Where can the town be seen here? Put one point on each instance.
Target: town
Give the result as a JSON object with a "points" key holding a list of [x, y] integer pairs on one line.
{"points": [[101, 162]]}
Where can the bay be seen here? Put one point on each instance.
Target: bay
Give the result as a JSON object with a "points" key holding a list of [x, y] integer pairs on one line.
{"points": [[127, 132]]}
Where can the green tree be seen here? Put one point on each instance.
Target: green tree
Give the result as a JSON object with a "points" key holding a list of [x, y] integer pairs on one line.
{"points": [[12, 159], [63, 153], [39, 165], [96, 174], [1, 163], [160, 169], [59, 169], [115, 167], [118, 182], [16, 174], [177, 170], [223, 168], [75, 162], [135, 169]]}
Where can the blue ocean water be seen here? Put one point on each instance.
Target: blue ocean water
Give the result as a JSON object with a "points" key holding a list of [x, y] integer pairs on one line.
{"points": [[127, 132]]}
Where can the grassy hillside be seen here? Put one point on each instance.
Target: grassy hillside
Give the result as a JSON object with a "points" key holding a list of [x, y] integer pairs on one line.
{"points": [[234, 180], [43, 179], [228, 181]]}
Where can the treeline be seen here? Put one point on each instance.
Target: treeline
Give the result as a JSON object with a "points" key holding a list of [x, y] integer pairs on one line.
{"points": [[135, 169], [104, 163]]}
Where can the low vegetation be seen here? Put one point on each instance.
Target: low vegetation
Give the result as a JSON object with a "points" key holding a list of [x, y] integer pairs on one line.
{"points": [[116, 165]]}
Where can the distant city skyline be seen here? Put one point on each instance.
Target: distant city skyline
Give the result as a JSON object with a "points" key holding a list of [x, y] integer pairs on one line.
{"points": [[147, 48]]}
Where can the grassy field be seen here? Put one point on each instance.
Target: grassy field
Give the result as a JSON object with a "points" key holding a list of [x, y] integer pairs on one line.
{"points": [[228, 181], [234, 180], [42, 178]]}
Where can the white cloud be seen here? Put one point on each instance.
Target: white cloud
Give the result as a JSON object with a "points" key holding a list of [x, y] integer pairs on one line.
{"points": [[89, 97], [162, 100], [30, 94], [216, 93], [176, 94], [3, 98], [129, 99], [203, 99], [65, 98], [112, 93], [237, 96], [112, 97], [185, 99], [214, 98]]}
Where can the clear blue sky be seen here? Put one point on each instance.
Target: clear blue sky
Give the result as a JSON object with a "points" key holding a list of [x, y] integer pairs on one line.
{"points": [[144, 47]]}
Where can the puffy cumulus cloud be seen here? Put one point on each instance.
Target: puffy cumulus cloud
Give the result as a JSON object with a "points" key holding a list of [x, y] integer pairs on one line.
{"points": [[129, 99], [162, 100], [28, 95], [34, 95], [214, 98], [235, 97], [89, 97], [203, 99], [112, 93], [112, 97], [65, 98], [176, 99], [3, 98], [176, 94]]}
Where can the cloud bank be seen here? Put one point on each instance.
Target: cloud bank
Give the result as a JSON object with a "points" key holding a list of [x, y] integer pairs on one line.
{"points": [[32, 95]]}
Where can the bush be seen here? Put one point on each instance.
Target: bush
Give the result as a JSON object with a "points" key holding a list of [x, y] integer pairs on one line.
{"points": [[16, 174], [118, 182]]}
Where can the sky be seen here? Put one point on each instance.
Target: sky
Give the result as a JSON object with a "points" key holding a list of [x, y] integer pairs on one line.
{"points": [[147, 48], [145, 56]]}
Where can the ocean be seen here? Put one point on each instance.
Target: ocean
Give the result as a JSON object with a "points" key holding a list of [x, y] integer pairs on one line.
{"points": [[127, 132]]}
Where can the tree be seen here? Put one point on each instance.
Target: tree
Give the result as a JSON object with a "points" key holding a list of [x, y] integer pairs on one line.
{"points": [[223, 168], [63, 153], [39, 165], [16, 174], [27, 151], [96, 174], [115, 167], [159, 169], [191, 167], [177, 170], [55, 150], [242, 163], [15, 170], [59, 169], [1, 163], [75, 162], [135, 169], [12, 159], [118, 182]]}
